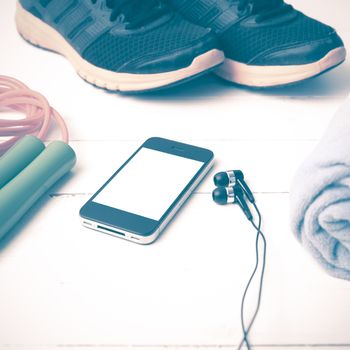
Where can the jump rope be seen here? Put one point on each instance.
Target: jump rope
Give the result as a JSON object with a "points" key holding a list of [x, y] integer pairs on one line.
{"points": [[29, 169], [14, 95]]}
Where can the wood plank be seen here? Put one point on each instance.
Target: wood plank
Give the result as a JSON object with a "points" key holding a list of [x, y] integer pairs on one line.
{"points": [[64, 284], [269, 166], [205, 109], [181, 347]]}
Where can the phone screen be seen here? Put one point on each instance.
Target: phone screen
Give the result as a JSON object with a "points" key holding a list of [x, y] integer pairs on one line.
{"points": [[149, 183]]}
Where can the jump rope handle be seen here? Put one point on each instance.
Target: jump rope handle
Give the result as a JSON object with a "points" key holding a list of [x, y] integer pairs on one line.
{"points": [[30, 170], [19, 157]]}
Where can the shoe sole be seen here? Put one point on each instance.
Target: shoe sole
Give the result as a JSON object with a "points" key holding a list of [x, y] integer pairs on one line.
{"points": [[41, 34], [272, 76]]}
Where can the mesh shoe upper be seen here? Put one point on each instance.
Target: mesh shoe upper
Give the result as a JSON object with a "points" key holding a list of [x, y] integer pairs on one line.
{"points": [[171, 45], [262, 32], [131, 36], [265, 44]]}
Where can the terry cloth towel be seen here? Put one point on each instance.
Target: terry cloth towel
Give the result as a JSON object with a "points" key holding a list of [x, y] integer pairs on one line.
{"points": [[320, 198]]}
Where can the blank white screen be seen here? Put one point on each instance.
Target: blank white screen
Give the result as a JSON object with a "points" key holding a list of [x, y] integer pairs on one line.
{"points": [[149, 183]]}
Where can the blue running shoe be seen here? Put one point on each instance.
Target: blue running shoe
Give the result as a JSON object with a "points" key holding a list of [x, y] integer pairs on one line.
{"points": [[125, 45], [266, 42]]}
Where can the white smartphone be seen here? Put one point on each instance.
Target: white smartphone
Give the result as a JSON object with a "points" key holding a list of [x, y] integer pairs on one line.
{"points": [[144, 194]]}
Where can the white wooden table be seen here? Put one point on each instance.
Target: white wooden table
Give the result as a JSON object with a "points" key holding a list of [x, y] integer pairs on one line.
{"points": [[65, 286]]}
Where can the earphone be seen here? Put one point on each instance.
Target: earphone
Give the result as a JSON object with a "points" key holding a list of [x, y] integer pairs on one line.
{"points": [[231, 178], [231, 188]]}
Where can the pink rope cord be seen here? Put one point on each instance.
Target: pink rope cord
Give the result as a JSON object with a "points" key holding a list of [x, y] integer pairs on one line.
{"points": [[16, 96]]}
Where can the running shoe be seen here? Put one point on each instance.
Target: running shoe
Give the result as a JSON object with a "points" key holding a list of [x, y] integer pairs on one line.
{"points": [[126, 45], [266, 42]]}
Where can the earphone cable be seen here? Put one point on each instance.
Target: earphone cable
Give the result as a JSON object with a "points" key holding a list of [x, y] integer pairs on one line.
{"points": [[262, 275], [259, 234], [245, 333]]}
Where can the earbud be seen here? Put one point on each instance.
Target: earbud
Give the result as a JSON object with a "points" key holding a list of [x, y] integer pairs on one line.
{"points": [[227, 178], [223, 195], [231, 178], [232, 195]]}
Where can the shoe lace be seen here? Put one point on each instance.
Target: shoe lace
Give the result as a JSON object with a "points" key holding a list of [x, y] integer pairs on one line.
{"points": [[136, 12], [264, 9]]}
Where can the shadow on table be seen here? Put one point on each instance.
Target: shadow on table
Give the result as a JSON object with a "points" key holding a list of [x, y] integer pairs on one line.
{"points": [[335, 82], [19, 228]]}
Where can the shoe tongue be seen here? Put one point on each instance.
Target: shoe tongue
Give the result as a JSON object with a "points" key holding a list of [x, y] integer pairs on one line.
{"points": [[138, 11], [131, 6], [260, 5]]}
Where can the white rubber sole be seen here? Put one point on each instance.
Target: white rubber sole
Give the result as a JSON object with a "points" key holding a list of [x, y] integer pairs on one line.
{"points": [[41, 34], [268, 76]]}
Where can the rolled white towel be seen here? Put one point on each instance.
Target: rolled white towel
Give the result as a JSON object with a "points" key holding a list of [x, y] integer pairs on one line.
{"points": [[320, 198]]}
